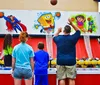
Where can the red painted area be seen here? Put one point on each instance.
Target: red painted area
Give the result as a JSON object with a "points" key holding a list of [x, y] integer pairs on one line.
{"points": [[80, 49], [86, 79], [80, 46], [95, 48], [7, 79]]}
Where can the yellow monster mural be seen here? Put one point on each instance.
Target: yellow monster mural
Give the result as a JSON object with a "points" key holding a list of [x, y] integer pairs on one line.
{"points": [[47, 22]]}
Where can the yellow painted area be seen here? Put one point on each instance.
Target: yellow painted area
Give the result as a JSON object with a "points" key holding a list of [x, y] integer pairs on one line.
{"points": [[46, 20], [1, 61]]}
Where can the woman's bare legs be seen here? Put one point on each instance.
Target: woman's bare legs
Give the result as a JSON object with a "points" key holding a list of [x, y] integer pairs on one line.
{"points": [[17, 81], [28, 81]]}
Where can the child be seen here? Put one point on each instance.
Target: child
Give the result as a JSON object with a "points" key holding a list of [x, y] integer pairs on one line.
{"points": [[41, 65], [7, 50]]}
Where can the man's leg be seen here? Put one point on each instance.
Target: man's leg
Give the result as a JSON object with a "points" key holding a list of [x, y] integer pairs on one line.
{"points": [[71, 82], [71, 74], [61, 75], [62, 82]]}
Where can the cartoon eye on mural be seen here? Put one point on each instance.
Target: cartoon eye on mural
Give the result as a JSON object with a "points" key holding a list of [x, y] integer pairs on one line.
{"points": [[91, 25], [13, 23], [47, 22]]}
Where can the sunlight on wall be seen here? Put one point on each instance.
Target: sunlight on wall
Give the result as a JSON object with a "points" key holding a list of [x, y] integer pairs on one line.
{"points": [[98, 6]]}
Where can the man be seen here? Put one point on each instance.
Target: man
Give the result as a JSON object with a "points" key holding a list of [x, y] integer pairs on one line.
{"points": [[66, 53]]}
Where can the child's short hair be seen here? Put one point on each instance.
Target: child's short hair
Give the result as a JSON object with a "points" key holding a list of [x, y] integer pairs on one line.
{"points": [[41, 45]]}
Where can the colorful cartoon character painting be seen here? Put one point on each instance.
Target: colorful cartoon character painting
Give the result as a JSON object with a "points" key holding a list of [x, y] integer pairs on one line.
{"points": [[47, 22], [87, 24], [13, 23], [80, 21], [91, 24]]}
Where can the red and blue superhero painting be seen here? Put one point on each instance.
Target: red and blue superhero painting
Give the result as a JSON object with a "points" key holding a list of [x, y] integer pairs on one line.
{"points": [[13, 23]]}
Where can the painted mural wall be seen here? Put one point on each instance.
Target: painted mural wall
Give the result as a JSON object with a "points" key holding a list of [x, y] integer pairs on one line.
{"points": [[39, 22]]}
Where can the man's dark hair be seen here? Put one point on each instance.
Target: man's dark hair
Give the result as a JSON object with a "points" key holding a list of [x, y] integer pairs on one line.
{"points": [[67, 29], [41, 45]]}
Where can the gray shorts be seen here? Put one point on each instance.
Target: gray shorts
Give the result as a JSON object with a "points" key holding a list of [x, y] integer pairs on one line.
{"points": [[20, 73], [64, 72]]}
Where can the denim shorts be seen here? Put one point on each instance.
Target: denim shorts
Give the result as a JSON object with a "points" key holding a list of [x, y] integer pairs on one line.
{"points": [[20, 73]]}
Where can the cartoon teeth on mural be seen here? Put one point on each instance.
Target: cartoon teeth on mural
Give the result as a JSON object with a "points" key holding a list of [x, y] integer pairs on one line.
{"points": [[47, 22], [13, 23]]}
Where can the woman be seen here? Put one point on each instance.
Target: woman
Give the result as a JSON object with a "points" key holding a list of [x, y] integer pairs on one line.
{"points": [[7, 50], [22, 61]]}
